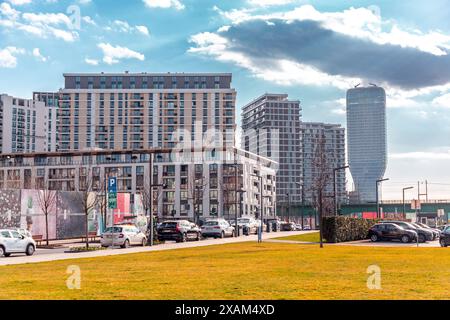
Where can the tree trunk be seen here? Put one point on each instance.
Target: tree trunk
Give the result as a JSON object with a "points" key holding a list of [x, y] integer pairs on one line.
{"points": [[46, 228], [87, 230], [320, 217]]}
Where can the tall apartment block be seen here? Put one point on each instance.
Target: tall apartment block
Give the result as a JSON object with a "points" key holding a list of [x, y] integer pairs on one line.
{"points": [[367, 139], [143, 110], [333, 138], [51, 101], [271, 128], [23, 125]]}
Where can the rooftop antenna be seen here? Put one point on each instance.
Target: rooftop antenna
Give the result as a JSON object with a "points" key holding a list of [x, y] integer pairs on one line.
{"points": [[373, 85], [357, 85]]}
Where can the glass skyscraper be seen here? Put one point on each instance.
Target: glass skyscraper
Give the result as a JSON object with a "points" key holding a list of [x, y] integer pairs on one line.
{"points": [[367, 139]]}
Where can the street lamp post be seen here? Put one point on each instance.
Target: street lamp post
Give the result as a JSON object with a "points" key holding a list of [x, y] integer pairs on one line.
{"points": [[261, 210], [335, 170], [378, 197], [288, 207], [404, 204]]}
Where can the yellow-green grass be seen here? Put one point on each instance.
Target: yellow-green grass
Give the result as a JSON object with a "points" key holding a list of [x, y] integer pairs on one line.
{"points": [[307, 237], [240, 271]]}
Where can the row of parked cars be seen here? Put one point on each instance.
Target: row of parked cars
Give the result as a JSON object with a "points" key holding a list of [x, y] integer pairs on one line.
{"points": [[183, 230], [406, 232]]}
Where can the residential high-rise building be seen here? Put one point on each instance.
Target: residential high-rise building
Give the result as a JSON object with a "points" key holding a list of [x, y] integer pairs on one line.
{"points": [[51, 100], [367, 138], [143, 110], [23, 125], [333, 138], [271, 128]]}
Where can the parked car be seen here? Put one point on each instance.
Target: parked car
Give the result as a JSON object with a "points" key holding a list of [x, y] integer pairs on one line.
{"points": [[179, 231], [391, 231], [306, 228], [249, 225], [275, 223], [287, 226], [423, 234], [217, 228], [445, 237], [12, 241], [123, 236], [436, 232], [24, 232]]}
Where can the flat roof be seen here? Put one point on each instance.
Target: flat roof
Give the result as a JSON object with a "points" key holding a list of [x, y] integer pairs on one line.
{"points": [[148, 74]]}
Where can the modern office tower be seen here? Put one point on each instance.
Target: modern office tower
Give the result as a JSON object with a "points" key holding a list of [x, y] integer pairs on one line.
{"points": [[366, 138], [51, 100], [23, 126], [143, 110], [197, 185], [271, 128], [333, 138]]}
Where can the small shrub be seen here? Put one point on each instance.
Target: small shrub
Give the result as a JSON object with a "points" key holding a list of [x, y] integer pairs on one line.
{"points": [[344, 229]]}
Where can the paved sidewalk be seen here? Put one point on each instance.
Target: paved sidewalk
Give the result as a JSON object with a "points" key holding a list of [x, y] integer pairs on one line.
{"points": [[15, 260]]}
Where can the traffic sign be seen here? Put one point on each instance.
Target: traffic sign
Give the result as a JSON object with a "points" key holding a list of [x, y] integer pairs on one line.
{"points": [[112, 185], [112, 201]]}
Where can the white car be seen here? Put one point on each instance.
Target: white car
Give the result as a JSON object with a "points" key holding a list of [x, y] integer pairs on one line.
{"points": [[217, 228], [24, 232], [250, 223], [12, 241], [123, 236]]}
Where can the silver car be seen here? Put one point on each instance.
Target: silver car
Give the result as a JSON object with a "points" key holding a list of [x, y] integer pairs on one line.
{"points": [[217, 228], [12, 241], [123, 236]]}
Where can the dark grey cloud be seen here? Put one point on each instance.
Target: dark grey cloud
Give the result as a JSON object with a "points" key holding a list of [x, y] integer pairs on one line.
{"points": [[334, 53]]}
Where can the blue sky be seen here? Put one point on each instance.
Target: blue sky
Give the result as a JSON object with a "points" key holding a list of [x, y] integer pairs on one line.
{"points": [[312, 50]]}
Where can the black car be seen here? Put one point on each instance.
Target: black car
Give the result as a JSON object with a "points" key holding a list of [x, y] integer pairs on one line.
{"points": [[445, 238], [424, 235], [179, 231], [390, 231]]}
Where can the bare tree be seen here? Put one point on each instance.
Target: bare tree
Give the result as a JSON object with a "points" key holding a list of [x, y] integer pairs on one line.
{"points": [[47, 202], [322, 179], [89, 195]]}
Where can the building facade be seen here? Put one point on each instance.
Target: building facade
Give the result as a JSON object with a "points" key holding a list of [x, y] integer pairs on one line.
{"points": [[367, 139], [51, 101], [271, 128], [145, 110], [23, 125], [187, 185], [333, 138]]}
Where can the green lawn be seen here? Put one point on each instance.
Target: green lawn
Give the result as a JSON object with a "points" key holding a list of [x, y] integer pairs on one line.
{"points": [[240, 271], [308, 237]]}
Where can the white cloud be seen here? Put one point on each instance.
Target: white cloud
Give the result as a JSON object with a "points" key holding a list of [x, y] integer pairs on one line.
{"points": [[20, 2], [442, 101], [43, 25], [143, 29], [37, 54], [125, 27], [113, 54], [267, 3], [89, 20], [8, 11], [164, 4], [92, 62], [8, 56]]}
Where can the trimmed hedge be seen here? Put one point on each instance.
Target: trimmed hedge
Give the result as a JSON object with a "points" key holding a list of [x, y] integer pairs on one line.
{"points": [[344, 229]]}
